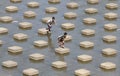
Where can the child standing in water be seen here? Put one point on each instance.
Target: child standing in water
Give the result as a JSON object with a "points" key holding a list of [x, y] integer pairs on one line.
{"points": [[49, 24], [61, 40]]}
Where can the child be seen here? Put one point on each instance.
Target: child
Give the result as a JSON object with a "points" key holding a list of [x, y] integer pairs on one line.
{"points": [[49, 24], [61, 40]]}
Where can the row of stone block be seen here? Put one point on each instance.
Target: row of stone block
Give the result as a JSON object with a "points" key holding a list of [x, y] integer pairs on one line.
{"points": [[58, 65]]}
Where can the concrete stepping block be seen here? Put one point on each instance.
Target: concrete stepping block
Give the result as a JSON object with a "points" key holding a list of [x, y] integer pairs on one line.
{"points": [[15, 49], [16, 1], [84, 58], [3, 30], [93, 1], [82, 72], [1, 42], [112, 6], [88, 32], [89, 20], [20, 36], [70, 15], [25, 25], [86, 44], [9, 64], [61, 51], [109, 51], [68, 26], [109, 38], [11, 8], [31, 72], [42, 31], [44, 20], [110, 26], [29, 14], [108, 65], [40, 43], [91, 10], [51, 10], [68, 38], [36, 56], [111, 15], [72, 5], [33, 4], [59, 64], [6, 19], [54, 1]]}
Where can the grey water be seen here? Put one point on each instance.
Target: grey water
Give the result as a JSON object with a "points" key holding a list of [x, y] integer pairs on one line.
{"points": [[44, 66]]}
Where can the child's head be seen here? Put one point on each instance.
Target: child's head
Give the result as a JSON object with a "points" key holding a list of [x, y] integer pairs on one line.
{"points": [[65, 33], [53, 18]]}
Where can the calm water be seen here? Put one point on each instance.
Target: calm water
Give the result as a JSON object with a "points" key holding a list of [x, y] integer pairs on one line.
{"points": [[44, 67]]}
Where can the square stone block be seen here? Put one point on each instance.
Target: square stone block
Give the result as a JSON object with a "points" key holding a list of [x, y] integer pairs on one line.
{"points": [[89, 21], [6, 19], [36, 56], [15, 49], [44, 20], [110, 26], [42, 31], [109, 51], [109, 38], [86, 44], [3, 30], [30, 72], [60, 50], [9, 64], [68, 26], [59, 64], [88, 32], [108, 65], [84, 58], [1, 42], [25, 25], [40, 43], [82, 72], [20, 36], [68, 38]]}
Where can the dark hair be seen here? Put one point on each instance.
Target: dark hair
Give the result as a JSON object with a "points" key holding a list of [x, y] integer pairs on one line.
{"points": [[53, 17], [65, 33]]}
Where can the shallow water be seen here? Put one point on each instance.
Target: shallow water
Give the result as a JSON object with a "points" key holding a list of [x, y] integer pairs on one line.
{"points": [[44, 66]]}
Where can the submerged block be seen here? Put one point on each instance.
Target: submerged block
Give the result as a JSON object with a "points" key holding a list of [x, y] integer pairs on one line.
{"points": [[33, 4], [1, 42], [60, 50], [82, 72], [93, 1], [89, 20], [109, 51], [111, 15], [30, 72], [51, 10], [59, 64], [40, 43], [88, 32], [15, 49], [36, 56], [108, 65], [29, 14], [25, 25], [84, 58], [68, 26], [9, 64], [54, 1], [20, 36], [6, 19], [110, 26], [3, 30], [112, 6], [109, 38], [72, 5], [11, 8], [42, 31], [91, 10], [87, 44], [70, 15]]}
